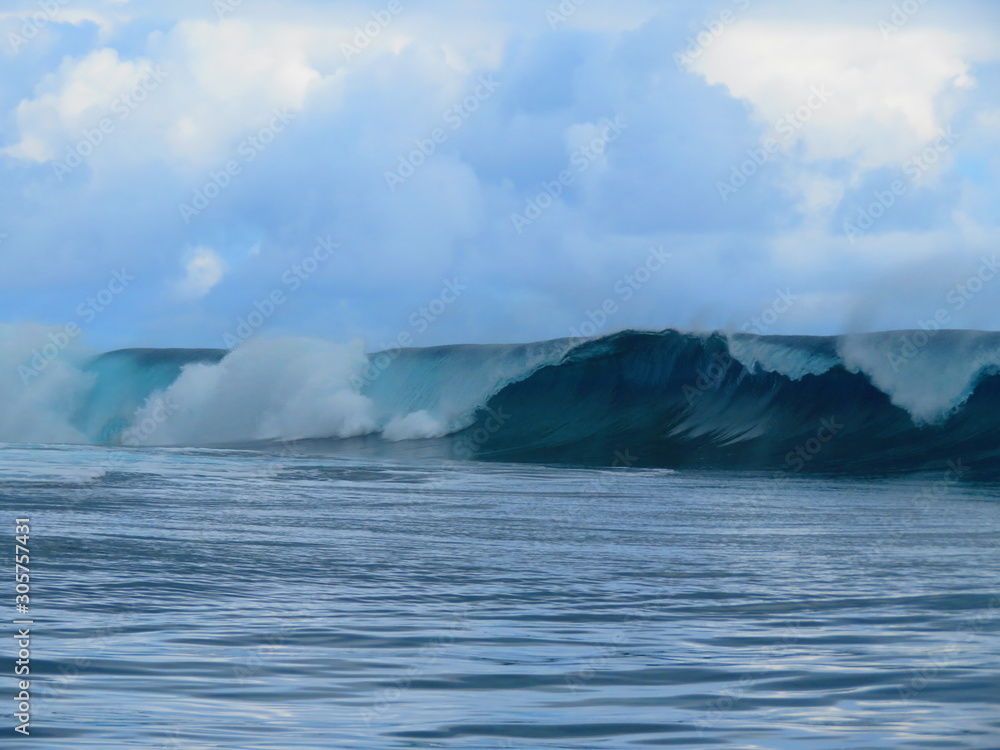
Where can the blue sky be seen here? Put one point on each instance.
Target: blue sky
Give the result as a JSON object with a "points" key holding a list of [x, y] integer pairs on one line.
{"points": [[184, 173]]}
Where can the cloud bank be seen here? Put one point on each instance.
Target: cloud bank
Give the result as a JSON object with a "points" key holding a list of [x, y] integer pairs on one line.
{"points": [[845, 161]]}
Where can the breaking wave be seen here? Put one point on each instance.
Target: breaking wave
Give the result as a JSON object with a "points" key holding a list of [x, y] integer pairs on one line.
{"points": [[874, 403]]}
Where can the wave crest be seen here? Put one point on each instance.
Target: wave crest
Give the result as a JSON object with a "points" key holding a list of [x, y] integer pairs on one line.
{"points": [[885, 401]]}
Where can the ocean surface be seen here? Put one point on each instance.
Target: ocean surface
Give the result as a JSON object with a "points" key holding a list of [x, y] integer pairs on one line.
{"points": [[252, 599]]}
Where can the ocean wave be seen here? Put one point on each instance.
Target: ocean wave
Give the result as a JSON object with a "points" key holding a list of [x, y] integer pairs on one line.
{"points": [[895, 401]]}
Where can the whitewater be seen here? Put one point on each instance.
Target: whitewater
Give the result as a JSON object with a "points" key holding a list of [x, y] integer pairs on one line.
{"points": [[871, 403], [643, 539]]}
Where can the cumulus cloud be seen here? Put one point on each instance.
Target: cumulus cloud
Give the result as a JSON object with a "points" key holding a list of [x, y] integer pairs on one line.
{"points": [[230, 75], [71, 101], [210, 82], [203, 269], [404, 101], [872, 101]]}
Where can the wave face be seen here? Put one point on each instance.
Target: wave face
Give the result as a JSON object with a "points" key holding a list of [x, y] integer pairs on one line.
{"points": [[866, 403], [873, 403]]}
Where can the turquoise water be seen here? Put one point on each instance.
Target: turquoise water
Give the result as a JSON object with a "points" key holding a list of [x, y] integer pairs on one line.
{"points": [[227, 599]]}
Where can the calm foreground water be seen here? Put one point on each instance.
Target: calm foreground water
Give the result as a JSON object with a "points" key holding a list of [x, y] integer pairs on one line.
{"points": [[212, 599]]}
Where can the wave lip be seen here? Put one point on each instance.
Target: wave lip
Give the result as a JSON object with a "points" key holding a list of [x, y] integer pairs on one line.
{"points": [[867, 403], [872, 403]]}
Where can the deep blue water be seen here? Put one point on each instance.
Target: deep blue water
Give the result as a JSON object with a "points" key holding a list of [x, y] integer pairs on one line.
{"points": [[226, 599]]}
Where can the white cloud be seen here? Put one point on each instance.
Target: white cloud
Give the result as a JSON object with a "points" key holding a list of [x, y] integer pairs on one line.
{"points": [[72, 100], [223, 80], [357, 118], [887, 99], [30, 22], [203, 269], [227, 76], [230, 75]]}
